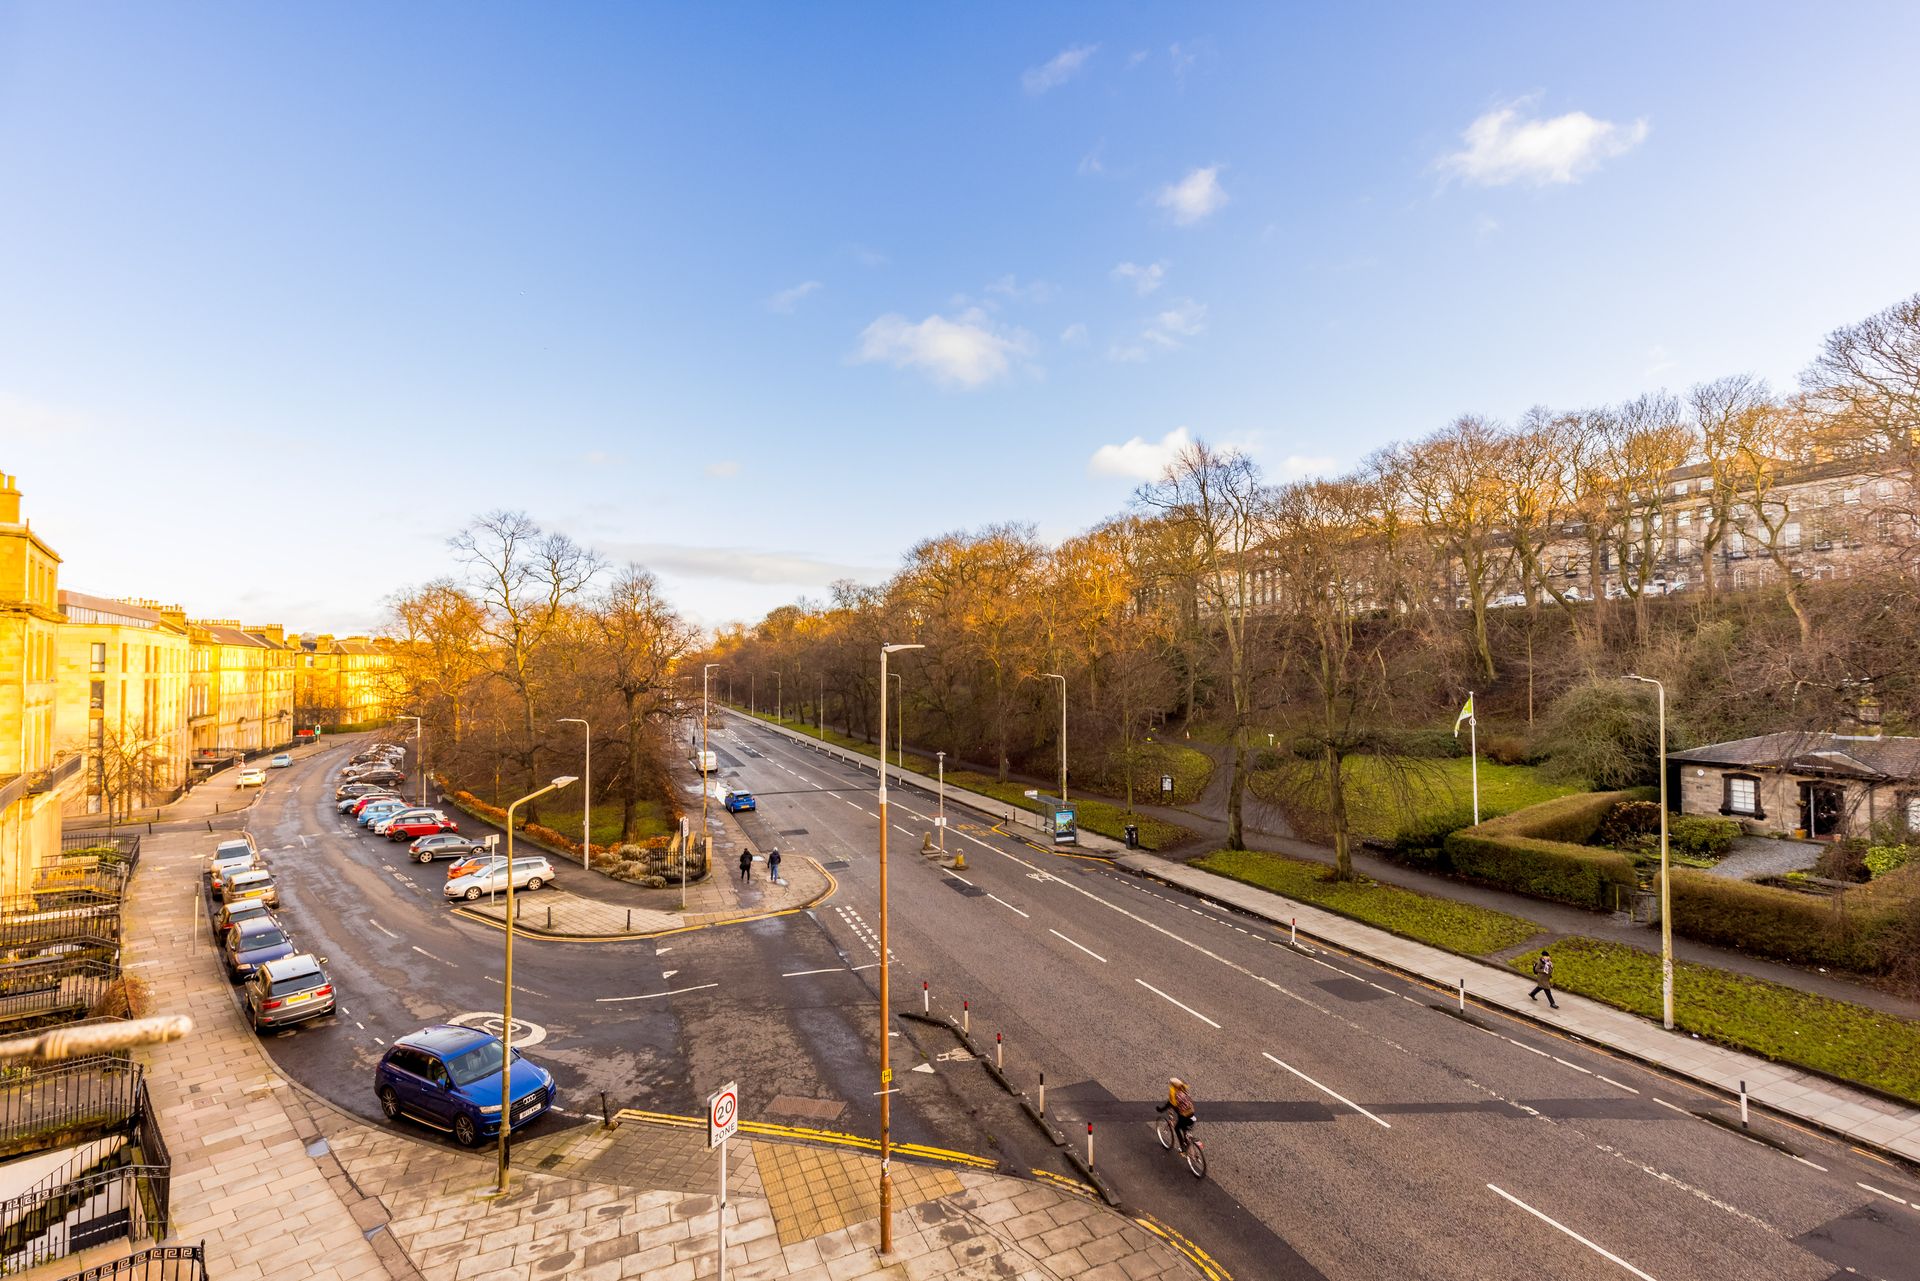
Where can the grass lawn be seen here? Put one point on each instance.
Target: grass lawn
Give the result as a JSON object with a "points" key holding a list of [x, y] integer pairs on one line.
{"points": [[1437, 787], [1105, 817], [1457, 927], [1783, 1023], [1190, 769], [561, 813]]}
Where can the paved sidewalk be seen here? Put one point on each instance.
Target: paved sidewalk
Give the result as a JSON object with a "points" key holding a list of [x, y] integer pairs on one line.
{"points": [[1862, 1117], [717, 900]]}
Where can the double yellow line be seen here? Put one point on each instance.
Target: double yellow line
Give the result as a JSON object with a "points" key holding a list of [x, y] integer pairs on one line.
{"points": [[808, 1134], [1210, 1267]]}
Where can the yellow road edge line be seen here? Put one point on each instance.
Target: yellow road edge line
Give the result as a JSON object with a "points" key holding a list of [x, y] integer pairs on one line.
{"points": [[775, 1130], [1061, 1180], [833, 887], [1208, 1265], [1048, 849]]}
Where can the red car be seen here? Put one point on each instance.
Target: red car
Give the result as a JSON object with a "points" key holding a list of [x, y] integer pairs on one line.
{"points": [[410, 826]]}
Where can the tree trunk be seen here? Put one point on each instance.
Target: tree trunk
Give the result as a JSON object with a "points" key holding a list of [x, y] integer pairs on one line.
{"points": [[1337, 805], [630, 800]]}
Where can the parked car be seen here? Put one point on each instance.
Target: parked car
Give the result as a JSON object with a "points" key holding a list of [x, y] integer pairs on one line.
{"points": [[251, 944], [442, 845], [738, 801], [379, 809], [470, 864], [289, 990], [449, 1078], [705, 762], [348, 791], [236, 913], [252, 778], [227, 866], [529, 872], [238, 845], [281, 761], [384, 823], [257, 883], [384, 774], [416, 823], [351, 804]]}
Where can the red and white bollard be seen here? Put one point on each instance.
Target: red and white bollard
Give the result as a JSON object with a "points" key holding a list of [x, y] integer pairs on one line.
{"points": [[926, 998], [1089, 1145], [966, 1016], [999, 1051]]}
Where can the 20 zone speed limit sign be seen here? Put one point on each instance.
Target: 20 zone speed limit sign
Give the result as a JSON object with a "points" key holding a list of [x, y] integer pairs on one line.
{"points": [[723, 1114]]}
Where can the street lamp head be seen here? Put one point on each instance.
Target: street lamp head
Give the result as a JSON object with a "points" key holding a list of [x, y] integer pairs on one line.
{"points": [[894, 649], [566, 780], [707, 667]]}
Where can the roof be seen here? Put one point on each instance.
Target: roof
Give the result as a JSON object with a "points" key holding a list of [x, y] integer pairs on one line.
{"points": [[1807, 752], [223, 634], [445, 1038], [287, 967], [79, 607]]}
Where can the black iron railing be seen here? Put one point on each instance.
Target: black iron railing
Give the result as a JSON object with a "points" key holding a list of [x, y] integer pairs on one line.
{"points": [[155, 1263], [53, 1222], [84, 920], [54, 1104], [47, 990]]}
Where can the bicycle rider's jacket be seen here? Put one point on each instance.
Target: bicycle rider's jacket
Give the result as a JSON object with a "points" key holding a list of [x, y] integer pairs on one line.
{"points": [[1180, 1101]]}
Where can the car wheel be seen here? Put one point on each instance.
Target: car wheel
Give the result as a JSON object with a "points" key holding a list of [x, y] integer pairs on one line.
{"points": [[465, 1132], [389, 1103], [473, 892], [423, 857], [534, 882]]}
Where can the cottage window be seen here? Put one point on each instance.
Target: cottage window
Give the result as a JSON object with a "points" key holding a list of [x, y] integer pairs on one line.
{"points": [[1742, 796], [1913, 815]]}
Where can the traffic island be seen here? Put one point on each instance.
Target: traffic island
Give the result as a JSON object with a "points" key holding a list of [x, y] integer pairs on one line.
{"points": [[607, 911]]}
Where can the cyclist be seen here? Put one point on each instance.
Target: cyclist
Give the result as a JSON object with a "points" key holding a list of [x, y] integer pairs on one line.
{"points": [[1180, 1100]]}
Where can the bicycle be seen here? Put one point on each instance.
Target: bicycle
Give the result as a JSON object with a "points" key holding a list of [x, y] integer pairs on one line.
{"points": [[1195, 1153]]}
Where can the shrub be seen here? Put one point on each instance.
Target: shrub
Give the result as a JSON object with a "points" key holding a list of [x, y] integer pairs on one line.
{"points": [[1631, 825], [1508, 749], [1882, 859], [1581, 875], [1605, 731], [1573, 818], [1701, 836], [1844, 860], [1427, 744], [1781, 924], [1422, 842]]}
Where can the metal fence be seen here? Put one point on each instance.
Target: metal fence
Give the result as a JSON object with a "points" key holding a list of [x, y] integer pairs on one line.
{"points": [[53, 989], [53, 1222], [49, 1105], [125, 846], [156, 1263]]}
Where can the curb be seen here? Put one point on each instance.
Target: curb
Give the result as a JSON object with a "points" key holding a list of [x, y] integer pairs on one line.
{"points": [[1899, 1159]]}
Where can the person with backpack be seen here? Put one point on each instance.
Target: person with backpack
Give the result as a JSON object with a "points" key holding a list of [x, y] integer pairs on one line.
{"points": [[1543, 970], [746, 865], [773, 865], [1180, 1101]]}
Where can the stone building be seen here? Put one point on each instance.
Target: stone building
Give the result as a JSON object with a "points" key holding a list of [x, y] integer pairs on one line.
{"points": [[343, 681], [1822, 785], [122, 700]]}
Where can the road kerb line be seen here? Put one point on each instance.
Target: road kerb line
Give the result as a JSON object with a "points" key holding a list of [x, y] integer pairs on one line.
{"points": [[1324, 1090], [1089, 951], [1188, 1008], [1602, 1251]]}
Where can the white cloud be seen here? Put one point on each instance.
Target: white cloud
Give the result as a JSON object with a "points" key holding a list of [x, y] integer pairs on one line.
{"points": [[1139, 458], [1503, 146], [1034, 291], [1301, 466], [1074, 335], [1183, 59], [1144, 279], [1659, 360], [1194, 197], [1061, 68], [966, 351], [1091, 164], [787, 299], [737, 564], [1186, 318], [1135, 58], [725, 469], [1167, 331]]}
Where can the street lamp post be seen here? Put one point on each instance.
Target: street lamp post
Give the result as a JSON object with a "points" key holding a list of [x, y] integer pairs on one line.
{"points": [[821, 710], [506, 1007], [753, 693], [1666, 897], [940, 759], [899, 726], [780, 696], [702, 762], [586, 793], [886, 976], [420, 737], [1063, 731]]}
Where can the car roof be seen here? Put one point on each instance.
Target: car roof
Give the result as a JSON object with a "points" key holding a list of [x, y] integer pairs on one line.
{"points": [[445, 1038], [234, 845], [253, 876], [256, 927], [246, 907], [238, 856], [289, 967]]}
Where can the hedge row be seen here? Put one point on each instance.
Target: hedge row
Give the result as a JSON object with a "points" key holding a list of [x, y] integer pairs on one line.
{"points": [[1572, 819], [1536, 851], [1787, 926]]}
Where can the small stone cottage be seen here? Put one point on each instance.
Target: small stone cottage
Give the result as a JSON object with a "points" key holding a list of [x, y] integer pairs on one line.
{"points": [[1823, 786]]}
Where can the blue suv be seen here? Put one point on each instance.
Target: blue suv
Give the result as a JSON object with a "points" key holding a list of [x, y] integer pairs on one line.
{"points": [[448, 1077]]}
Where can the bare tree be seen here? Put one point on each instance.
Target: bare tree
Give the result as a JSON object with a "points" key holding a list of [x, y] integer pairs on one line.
{"points": [[128, 770], [638, 638], [1866, 382], [1648, 440], [1722, 413]]}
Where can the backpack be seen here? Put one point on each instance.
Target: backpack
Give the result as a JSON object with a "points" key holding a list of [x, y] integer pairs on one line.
{"points": [[1542, 966]]}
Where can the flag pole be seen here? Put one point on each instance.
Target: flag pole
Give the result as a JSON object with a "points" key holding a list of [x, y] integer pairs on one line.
{"points": [[1473, 754]]}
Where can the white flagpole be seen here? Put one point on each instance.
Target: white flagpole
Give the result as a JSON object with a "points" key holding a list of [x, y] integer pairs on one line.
{"points": [[1473, 753]]}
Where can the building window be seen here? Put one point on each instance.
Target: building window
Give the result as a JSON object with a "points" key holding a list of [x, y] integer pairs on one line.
{"points": [[1742, 796], [97, 657], [97, 695], [1913, 815]]}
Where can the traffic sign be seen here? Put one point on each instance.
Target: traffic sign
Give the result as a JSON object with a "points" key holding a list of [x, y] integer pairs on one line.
{"points": [[723, 1114], [1166, 784]]}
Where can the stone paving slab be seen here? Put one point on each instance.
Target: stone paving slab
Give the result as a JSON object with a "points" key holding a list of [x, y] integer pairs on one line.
{"points": [[1855, 1114]]}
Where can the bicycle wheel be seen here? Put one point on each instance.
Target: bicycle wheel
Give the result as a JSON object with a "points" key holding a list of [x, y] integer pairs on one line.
{"points": [[1165, 1131], [1197, 1158]]}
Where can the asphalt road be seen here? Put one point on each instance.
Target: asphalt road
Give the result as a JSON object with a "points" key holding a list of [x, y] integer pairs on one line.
{"points": [[1354, 1130]]}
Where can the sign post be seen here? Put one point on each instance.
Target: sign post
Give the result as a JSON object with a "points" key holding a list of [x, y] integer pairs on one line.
{"points": [[723, 1121], [1166, 786]]}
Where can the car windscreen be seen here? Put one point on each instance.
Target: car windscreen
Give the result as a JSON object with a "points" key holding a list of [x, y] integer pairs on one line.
{"points": [[482, 1060], [253, 940], [298, 983]]}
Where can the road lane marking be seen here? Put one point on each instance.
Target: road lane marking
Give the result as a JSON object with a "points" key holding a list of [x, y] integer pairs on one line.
{"points": [[1672, 1107], [1610, 1081], [1011, 908], [1602, 1251], [1575, 1066], [520, 987], [429, 955], [1188, 1008], [956, 876], [871, 965], [1089, 951], [1803, 1161], [831, 969], [648, 996], [1888, 1195], [383, 929], [1324, 1090]]}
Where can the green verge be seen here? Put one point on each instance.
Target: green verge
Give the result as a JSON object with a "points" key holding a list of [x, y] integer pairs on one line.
{"points": [[1107, 818], [1438, 922], [1437, 788], [1783, 1023], [562, 814]]}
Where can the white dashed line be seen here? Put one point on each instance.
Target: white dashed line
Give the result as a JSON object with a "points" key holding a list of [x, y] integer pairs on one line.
{"points": [[1888, 1195], [1089, 951], [956, 876], [1011, 908], [1188, 1008], [1672, 1108], [1324, 1090], [430, 956], [1803, 1161], [1617, 1085], [383, 929], [1554, 1223], [800, 974]]}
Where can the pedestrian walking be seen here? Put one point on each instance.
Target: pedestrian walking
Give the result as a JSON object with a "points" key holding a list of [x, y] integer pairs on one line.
{"points": [[773, 864], [1543, 970], [746, 865]]}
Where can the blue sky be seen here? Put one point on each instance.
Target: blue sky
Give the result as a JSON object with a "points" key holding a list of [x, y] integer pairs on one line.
{"points": [[760, 295]]}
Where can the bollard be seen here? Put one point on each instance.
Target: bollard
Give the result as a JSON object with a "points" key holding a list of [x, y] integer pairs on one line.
{"points": [[926, 1000], [1293, 932], [1043, 1094], [1463, 996], [999, 1052], [606, 1121], [549, 916], [629, 920], [1743, 1105], [1089, 1145], [966, 1016]]}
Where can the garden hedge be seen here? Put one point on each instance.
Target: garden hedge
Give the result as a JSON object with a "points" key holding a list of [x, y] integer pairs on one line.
{"points": [[1800, 928], [1536, 851]]}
